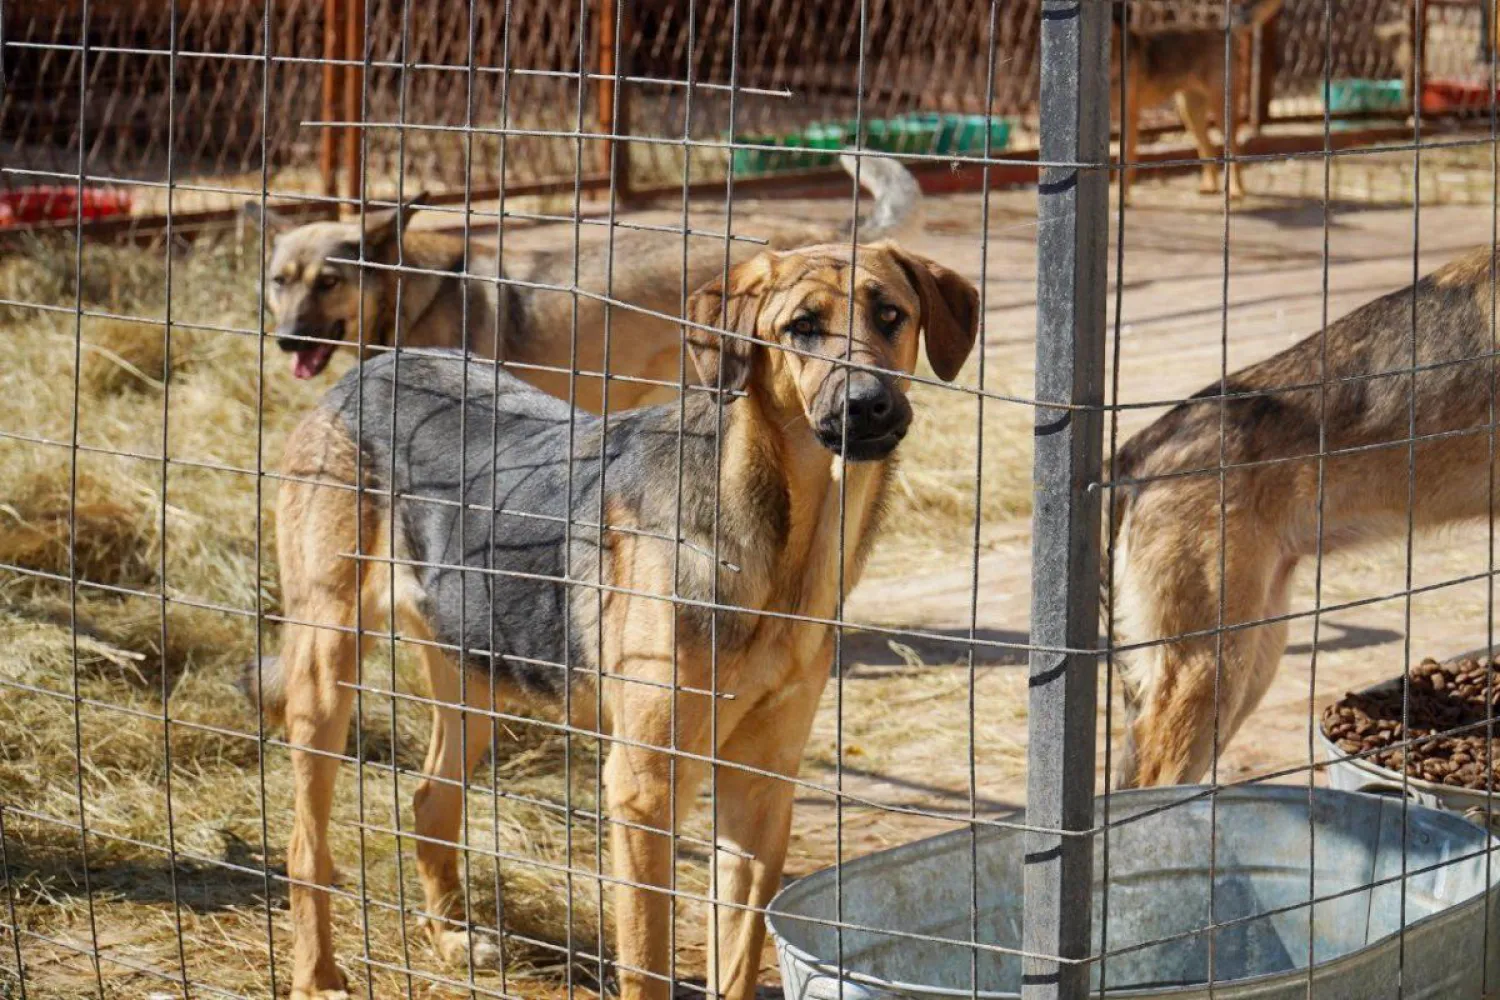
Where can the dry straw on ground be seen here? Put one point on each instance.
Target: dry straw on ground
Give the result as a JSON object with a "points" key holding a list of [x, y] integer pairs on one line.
{"points": [[166, 608], [214, 554]]}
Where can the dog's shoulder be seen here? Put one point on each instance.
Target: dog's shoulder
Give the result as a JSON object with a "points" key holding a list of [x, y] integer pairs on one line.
{"points": [[443, 250]]}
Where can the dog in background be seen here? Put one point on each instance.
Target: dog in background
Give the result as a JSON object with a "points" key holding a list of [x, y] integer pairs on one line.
{"points": [[771, 523], [319, 305], [1187, 66], [1166, 576]]}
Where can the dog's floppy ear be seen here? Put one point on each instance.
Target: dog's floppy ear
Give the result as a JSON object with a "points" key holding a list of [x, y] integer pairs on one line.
{"points": [[381, 226], [950, 310], [728, 358], [268, 218]]}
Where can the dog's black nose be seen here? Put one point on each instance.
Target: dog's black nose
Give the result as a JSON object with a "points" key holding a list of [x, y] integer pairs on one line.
{"points": [[876, 422], [869, 400]]}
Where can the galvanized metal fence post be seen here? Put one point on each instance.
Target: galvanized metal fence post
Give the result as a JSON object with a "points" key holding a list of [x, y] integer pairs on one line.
{"points": [[1072, 247]]}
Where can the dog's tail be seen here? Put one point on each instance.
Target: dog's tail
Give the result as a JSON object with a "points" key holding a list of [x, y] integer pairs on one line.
{"points": [[1123, 466], [263, 684], [1256, 14], [898, 197]]}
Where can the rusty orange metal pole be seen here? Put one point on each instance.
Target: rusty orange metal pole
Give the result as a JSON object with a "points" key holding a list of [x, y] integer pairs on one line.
{"points": [[614, 154], [333, 50], [354, 82], [1494, 30]]}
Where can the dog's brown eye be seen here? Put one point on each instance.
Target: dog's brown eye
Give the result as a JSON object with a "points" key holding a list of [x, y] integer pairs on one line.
{"points": [[279, 280], [889, 317], [326, 281], [803, 326]]}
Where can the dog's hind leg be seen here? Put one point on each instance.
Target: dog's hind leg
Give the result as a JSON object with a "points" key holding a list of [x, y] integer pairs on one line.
{"points": [[1193, 109], [1192, 693], [317, 663], [1124, 763], [459, 741], [1130, 138], [1231, 148], [754, 823], [1263, 646], [316, 526]]}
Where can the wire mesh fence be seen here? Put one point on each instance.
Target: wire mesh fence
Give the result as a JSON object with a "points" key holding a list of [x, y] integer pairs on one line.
{"points": [[925, 91], [545, 508]]}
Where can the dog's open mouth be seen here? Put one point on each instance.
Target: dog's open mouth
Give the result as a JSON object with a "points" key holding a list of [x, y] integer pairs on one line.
{"points": [[310, 361], [310, 357]]}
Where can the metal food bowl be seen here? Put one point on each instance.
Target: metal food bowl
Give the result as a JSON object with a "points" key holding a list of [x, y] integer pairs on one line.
{"points": [[1268, 846], [1361, 774]]}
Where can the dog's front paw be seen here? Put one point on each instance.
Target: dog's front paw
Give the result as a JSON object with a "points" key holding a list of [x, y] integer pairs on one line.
{"points": [[318, 993], [461, 947], [328, 983]]}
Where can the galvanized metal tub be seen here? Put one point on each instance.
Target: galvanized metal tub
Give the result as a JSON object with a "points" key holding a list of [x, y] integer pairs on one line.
{"points": [[1159, 879]]}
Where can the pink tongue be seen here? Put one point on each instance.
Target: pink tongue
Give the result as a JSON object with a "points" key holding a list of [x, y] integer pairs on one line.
{"points": [[310, 362]]}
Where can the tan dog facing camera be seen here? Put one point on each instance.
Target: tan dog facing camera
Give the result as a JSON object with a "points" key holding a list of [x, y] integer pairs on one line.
{"points": [[694, 615]]}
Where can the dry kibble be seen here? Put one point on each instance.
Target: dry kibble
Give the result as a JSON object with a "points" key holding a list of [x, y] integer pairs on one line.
{"points": [[1443, 736]]}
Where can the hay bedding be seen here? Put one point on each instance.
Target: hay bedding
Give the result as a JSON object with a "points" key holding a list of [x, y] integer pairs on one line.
{"points": [[211, 549]]}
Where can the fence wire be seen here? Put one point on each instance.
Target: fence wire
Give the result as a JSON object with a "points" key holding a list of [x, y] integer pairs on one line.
{"points": [[920, 60], [531, 384]]}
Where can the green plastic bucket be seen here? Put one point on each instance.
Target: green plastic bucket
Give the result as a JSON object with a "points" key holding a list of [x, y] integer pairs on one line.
{"points": [[1355, 95]]}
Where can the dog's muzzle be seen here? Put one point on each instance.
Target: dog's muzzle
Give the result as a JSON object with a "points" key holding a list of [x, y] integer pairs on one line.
{"points": [[311, 356], [878, 417]]}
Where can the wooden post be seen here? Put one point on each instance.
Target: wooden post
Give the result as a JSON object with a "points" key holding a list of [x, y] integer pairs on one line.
{"points": [[333, 50], [354, 84], [614, 154], [1416, 83]]}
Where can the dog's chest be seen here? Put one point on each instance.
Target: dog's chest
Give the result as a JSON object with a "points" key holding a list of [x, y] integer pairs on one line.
{"points": [[845, 519]]}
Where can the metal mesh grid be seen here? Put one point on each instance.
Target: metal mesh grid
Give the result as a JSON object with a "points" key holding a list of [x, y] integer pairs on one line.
{"points": [[921, 60], [217, 125], [131, 867]]}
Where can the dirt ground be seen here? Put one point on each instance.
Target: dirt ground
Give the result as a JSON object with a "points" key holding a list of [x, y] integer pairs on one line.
{"points": [[895, 732]]}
